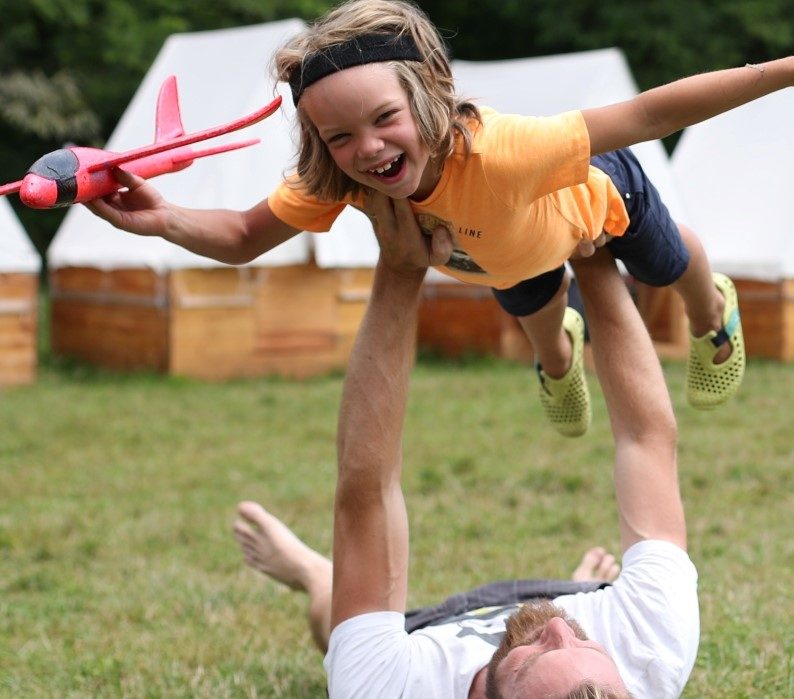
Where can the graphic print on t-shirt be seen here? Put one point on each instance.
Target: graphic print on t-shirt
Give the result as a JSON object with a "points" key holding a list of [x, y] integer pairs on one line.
{"points": [[460, 259], [487, 623]]}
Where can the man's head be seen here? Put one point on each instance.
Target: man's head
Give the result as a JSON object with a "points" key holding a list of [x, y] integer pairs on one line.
{"points": [[545, 653]]}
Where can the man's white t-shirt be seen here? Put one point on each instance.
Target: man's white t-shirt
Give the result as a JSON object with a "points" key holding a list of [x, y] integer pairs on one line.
{"points": [[648, 621]]}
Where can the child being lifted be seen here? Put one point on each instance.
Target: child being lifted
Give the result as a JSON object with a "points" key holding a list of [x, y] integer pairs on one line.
{"points": [[378, 112]]}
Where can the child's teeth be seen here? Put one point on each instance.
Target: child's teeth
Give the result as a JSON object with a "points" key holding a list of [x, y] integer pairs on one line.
{"points": [[383, 169]]}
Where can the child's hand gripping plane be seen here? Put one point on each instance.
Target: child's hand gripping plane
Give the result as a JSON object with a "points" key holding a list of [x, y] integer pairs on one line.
{"points": [[75, 174]]}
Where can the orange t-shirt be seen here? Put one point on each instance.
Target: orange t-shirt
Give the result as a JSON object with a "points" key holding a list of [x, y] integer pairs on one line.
{"points": [[516, 207]]}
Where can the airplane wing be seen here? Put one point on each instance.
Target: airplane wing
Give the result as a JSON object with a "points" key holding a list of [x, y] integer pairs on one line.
{"points": [[10, 188], [187, 139], [225, 148]]}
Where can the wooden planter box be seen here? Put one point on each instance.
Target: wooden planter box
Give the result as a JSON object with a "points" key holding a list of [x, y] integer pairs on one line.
{"points": [[767, 310], [459, 319], [18, 328], [214, 323]]}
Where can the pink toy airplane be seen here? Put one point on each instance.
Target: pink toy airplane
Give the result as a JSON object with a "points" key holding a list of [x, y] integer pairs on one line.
{"points": [[72, 175]]}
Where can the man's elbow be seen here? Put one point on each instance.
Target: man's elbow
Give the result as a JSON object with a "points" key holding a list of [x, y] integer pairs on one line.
{"points": [[363, 475], [238, 257]]}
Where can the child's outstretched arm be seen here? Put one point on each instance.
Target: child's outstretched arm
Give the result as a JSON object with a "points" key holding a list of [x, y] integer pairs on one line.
{"points": [[233, 237], [661, 111]]}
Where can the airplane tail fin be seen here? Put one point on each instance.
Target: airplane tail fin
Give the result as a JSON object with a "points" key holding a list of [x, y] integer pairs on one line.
{"points": [[10, 188], [168, 119]]}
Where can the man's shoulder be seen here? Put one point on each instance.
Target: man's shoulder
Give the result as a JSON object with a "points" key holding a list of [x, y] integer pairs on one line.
{"points": [[659, 554], [648, 619], [658, 581], [371, 655]]}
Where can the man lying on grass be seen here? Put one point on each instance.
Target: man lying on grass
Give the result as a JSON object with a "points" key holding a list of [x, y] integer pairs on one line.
{"points": [[636, 637]]}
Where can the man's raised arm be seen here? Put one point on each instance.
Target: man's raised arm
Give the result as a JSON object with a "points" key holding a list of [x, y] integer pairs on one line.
{"points": [[646, 476], [370, 553]]}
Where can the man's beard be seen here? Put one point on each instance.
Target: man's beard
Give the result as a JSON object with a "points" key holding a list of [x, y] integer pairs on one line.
{"points": [[524, 627]]}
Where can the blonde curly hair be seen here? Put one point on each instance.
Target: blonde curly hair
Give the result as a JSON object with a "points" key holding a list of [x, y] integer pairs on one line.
{"points": [[438, 111]]}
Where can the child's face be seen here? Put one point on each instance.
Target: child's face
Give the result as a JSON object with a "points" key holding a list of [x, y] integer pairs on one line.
{"points": [[363, 116]]}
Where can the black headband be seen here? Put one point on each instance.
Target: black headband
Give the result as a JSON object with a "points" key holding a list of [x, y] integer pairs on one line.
{"points": [[358, 51]]}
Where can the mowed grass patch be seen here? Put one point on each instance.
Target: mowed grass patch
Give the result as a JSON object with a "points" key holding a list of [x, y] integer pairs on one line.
{"points": [[119, 576]]}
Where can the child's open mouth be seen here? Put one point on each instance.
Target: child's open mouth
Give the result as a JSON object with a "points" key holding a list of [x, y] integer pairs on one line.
{"points": [[390, 170]]}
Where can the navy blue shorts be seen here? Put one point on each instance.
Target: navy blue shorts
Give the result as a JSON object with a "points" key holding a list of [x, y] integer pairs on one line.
{"points": [[651, 248]]}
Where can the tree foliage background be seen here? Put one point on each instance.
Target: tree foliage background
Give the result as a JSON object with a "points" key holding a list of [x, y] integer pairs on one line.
{"points": [[68, 68]]}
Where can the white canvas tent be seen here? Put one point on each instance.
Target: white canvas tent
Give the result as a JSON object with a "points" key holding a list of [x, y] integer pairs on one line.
{"points": [[17, 254], [545, 86], [734, 175], [294, 310], [19, 271]]}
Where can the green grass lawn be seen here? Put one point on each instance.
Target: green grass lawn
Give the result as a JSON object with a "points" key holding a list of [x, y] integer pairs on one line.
{"points": [[119, 575]]}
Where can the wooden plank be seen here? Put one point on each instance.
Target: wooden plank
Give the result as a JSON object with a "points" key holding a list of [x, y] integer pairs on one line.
{"points": [[298, 306], [211, 343], [122, 337], [762, 307], [307, 318], [299, 298], [17, 285], [787, 340], [351, 304], [18, 349], [102, 284], [211, 328], [112, 318], [214, 287], [458, 319], [19, 294], [300, 320], [18, 328], [662, 311]]}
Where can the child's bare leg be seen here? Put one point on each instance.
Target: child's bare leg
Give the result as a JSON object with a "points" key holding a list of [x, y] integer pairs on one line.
{"points": [[597, 565], [551, 344], [703, 301], [270, 547]]}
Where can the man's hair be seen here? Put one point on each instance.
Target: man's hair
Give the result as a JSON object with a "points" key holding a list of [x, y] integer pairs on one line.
{"points": [[590, 690], [438, 111]]}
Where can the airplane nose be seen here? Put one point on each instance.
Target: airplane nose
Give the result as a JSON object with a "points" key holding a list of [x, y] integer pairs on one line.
{"points": [[38, 192]]}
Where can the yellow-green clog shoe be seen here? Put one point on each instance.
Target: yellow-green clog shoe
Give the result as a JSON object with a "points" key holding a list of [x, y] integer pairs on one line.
{"points": [[709, 385], [566, 401]]}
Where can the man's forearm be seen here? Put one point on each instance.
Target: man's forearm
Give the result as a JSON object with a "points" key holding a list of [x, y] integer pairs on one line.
{"points": [[643, 422], [376, 386], [370, 520]]}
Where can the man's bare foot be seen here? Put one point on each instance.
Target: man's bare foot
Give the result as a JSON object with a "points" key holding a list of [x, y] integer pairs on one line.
{"points": [[597, 565], [270, 547]]}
